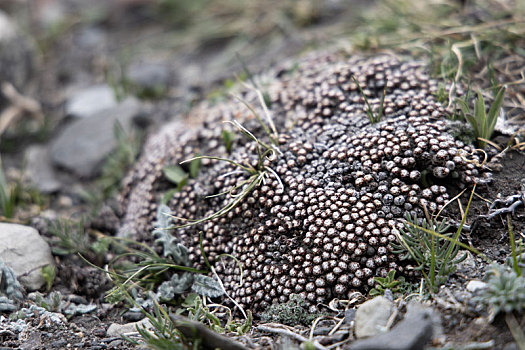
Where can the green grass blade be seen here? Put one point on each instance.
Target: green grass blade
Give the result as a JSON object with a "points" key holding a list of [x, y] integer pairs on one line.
{"points": [[460, 228], [494, 110], [256, 179], [248, 169], [481, 116]]}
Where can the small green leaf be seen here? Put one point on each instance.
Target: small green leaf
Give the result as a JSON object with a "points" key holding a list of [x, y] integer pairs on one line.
{"points": [[49, 274], [175, 174], [228, 138], [472, 121], [60, 251], [465, 109], [191, 300], [374, 292], [494, 110]]}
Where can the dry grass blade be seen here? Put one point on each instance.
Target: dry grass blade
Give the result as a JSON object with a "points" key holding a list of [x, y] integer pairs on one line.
{"points": [[254, 181], [516, 330]]}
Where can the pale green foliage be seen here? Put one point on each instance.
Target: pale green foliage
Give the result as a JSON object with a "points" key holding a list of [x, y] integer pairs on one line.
{"points": [[162, 233], [207, 286], [505, 291], [53, 302], [11, 292], [292, 313], [9, 285]]}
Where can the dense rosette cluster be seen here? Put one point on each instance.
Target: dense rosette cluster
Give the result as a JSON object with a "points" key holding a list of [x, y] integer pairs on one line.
{"points": [[321, 223]]}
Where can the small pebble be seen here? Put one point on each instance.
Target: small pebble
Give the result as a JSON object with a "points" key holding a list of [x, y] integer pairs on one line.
{"points": [[475, 285]]}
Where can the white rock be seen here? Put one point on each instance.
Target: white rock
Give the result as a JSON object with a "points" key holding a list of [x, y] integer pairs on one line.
{"points": [[24, 251], [371, 316], [475, 285], [116, 330], [90, 101]]}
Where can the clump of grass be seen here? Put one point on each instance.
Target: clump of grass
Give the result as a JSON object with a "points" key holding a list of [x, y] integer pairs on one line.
{"points": [[256, 174], [435, 258], [482, 123], [460, 46], [435, 251], [71, 237]]}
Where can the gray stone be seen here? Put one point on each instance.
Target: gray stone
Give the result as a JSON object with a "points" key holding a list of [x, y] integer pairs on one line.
{"points": [[83, 146], [81, 309], [133, 316], [412, 333], [24, 251], [371, 316], [116, 330], [90, 101], [149, 75], [40, 170], [91, 38]]}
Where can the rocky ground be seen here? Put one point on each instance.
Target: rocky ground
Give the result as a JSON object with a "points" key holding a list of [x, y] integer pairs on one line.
{"points": [[81, 86]]}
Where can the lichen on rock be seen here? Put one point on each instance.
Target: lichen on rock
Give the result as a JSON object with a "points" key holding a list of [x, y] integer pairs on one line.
{"points": [[322, 228]]}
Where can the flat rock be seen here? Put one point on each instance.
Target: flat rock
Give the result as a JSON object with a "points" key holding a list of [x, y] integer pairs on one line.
{"points": [[371, 316], [412, 333], [24, 251], [90, 101], [83, 145], [116, 330], [40, 170]]}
